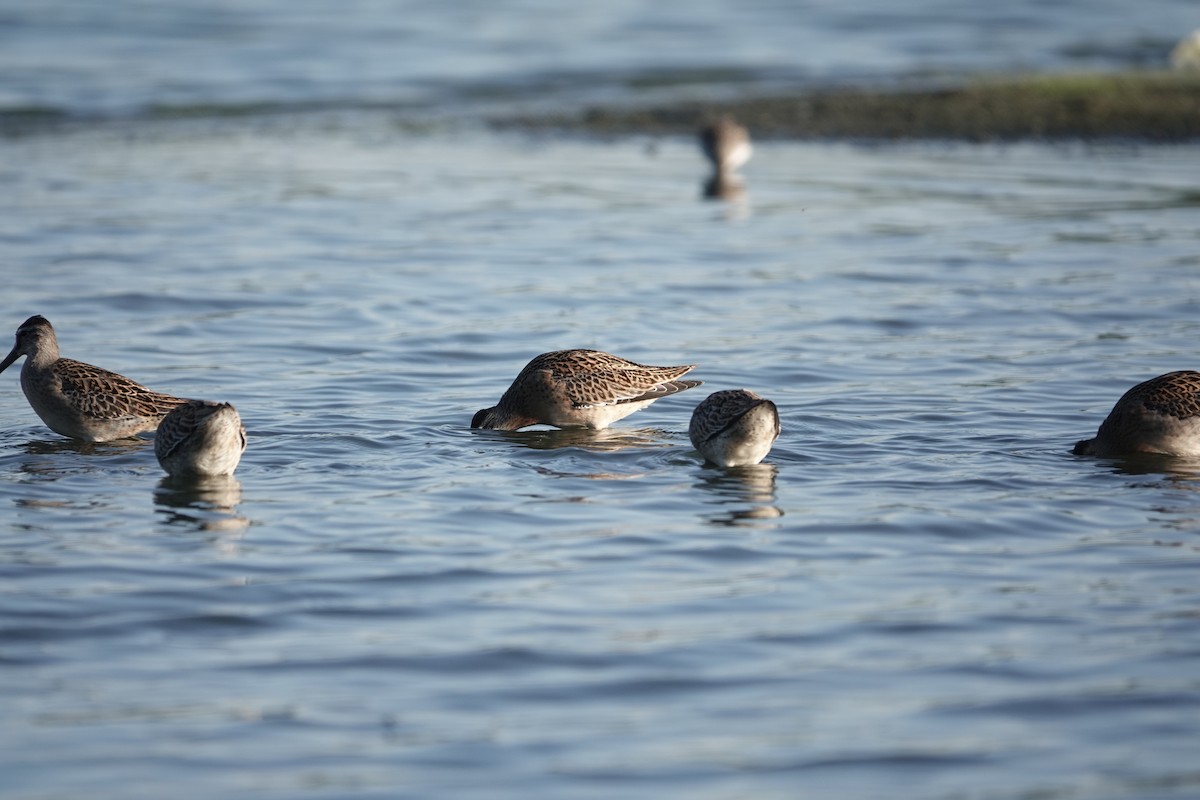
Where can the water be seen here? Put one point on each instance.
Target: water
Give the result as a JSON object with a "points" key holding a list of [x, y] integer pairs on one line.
{"points": [[920, 594], [126, 56]]}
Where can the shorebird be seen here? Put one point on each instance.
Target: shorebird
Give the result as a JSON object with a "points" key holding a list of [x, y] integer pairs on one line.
{"points": [[1186, 54], [726, 144], [580, 389], [1161, 415], [78, 400], [200, 438], [734, 427]]}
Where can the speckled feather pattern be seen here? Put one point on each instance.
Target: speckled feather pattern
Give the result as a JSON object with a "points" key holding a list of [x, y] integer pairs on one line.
{"points": [[1161, 415], [200, 438], [581, 388], [1176, 394], [101, 394], [734, 427], [79, 400]]}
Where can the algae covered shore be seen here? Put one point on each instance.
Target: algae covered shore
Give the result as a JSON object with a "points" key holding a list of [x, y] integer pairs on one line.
{"points": [[1147, 106]]}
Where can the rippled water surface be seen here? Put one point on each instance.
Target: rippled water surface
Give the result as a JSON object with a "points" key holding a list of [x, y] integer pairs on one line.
{"points": [[921, 593], [128, 56], [296, 207]]}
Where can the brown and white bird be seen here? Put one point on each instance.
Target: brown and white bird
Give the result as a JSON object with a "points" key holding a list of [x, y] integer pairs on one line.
{"points": [[580, 389], [1161, 415], [726, 144], [734, 427], [79, 400], [200, 438]]}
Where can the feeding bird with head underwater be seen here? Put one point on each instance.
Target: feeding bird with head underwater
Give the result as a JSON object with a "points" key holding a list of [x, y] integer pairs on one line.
{"points": [[581, 389]]}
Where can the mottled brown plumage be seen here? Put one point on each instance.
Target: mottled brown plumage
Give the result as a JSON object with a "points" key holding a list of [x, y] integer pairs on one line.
{"points": [[580, 388], [734, 427], [1161, 415], [79, 400], [199, 439]]}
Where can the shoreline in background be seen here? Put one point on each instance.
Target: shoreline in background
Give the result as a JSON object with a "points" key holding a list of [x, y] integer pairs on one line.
{"points": [[1149, 106]]}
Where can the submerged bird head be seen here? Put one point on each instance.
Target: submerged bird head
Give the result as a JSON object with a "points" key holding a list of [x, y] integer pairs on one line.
{"points": [[200, 438], [500, 418], [1084, 447], [485, 418], [34, 337]]}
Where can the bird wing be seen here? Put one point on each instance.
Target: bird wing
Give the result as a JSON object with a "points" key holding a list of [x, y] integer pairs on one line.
{"points": [[101, 394], [604, 386]]}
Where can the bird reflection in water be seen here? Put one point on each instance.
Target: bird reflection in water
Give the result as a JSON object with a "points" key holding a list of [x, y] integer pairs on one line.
{"points": [[730, 188], [744, 495], [44, 447], [208, 504], [628, 448], [601, 441], [1183, 472], [52, 458], [1174, 510]]}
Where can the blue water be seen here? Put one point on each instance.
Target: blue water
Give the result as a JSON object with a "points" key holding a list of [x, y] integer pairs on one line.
{"points": [[921, 593], [126, 56]]}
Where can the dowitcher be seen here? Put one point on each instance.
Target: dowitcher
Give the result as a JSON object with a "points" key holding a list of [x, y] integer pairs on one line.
{"points": [[580, 389], [1161, 415], [726, 144], [734, 427], [200, 438], [78, 400]]}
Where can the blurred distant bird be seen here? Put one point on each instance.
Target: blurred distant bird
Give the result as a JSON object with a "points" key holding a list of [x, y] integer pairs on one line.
{"points": [[1186, 54], [734, 428], [580, 389], [727, 145], [78, 400], [1161, 415], [200, 438]]}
